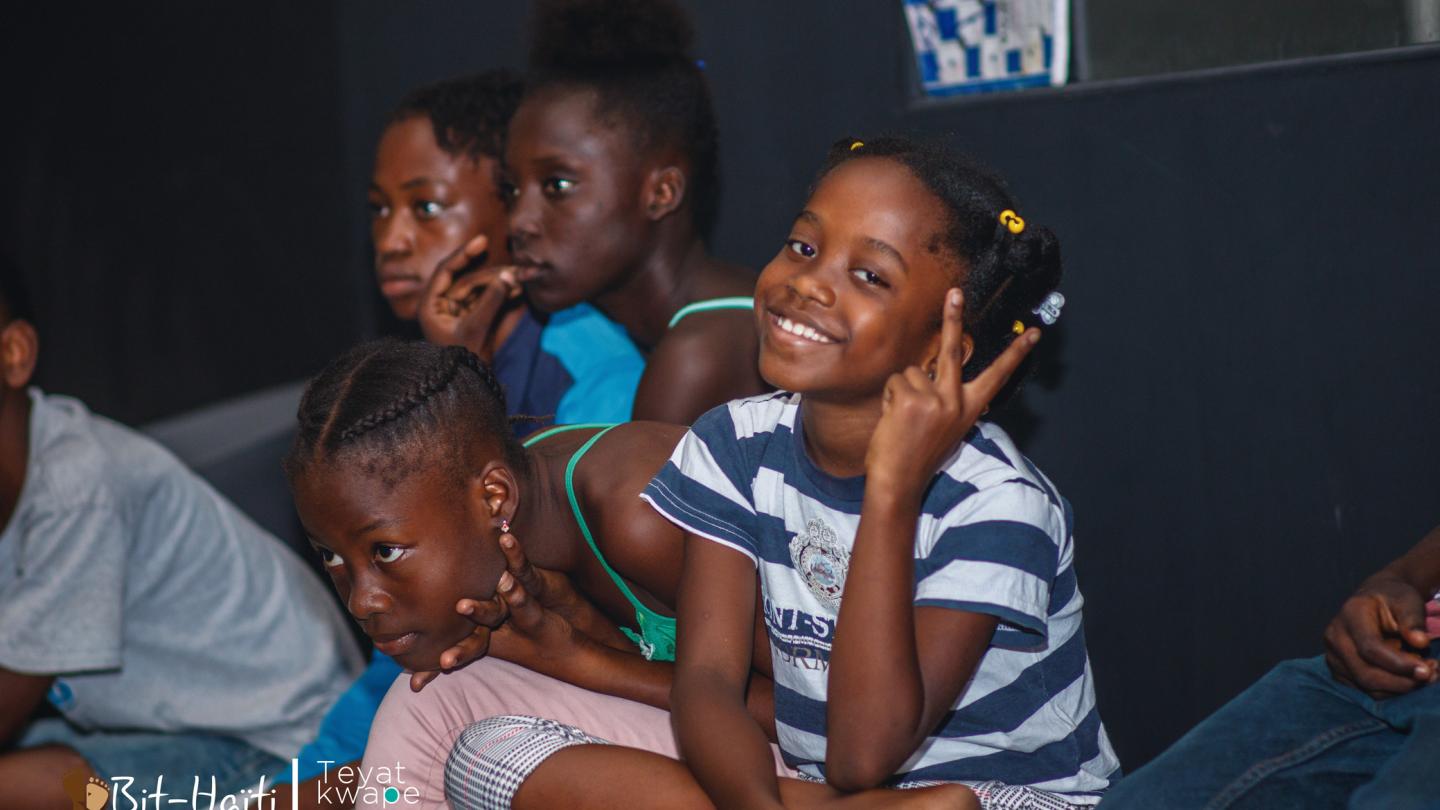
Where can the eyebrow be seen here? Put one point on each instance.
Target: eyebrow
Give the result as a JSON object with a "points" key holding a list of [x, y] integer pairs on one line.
{"points": [[381, 523], [875, 244], [419, 181]]}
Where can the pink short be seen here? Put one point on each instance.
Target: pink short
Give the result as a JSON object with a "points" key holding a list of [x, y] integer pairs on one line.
{"points": [[417, 731]]}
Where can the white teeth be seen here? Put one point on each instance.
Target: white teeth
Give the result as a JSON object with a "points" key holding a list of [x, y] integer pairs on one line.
{"points": [[800, 330]]}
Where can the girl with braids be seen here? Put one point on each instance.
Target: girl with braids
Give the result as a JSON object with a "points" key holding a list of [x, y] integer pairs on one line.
{"points": [[408, 479], [611, 172], [914, 569]]}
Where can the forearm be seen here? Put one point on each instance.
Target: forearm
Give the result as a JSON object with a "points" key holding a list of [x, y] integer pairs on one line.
{"points": [[1420, 566], [604, 669], [722, 744], [876, 694], [22, 695]]}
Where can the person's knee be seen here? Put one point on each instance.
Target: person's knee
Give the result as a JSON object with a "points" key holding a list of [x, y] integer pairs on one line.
{"points": [[491, 758], [45, 776]]}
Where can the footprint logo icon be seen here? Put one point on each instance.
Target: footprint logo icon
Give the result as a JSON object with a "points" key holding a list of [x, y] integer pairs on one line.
{"points": [[86, 792]]}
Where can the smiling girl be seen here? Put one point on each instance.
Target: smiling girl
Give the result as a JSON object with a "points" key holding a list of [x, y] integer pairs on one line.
{"points": [[611, 170], [915, 575]]}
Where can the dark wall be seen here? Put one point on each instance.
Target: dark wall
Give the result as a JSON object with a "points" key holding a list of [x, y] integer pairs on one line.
{"points": [[174, 191], [1240, 401]]}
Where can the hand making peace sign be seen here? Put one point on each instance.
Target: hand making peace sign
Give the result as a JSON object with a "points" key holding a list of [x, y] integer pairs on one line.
{"points": [[922, 420]]}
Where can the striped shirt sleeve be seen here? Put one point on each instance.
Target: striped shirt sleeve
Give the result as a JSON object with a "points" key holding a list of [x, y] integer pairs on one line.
{"points": [[998, 552], [705, 487]]}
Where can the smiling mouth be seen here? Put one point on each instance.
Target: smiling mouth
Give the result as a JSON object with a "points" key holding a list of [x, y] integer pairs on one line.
{"points": [[800, 330], [393, 645]]}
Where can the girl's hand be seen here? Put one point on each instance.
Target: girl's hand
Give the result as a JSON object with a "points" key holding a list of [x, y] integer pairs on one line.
{"points": [[922, 420], [554, 591], [537, 637], [464, 312], [487, 615]]}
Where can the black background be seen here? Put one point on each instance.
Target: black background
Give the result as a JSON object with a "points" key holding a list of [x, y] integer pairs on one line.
{"points": [[1241, 400]]}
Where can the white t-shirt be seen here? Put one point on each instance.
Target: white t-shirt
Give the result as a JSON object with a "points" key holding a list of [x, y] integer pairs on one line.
{"points": [[158, 605]]}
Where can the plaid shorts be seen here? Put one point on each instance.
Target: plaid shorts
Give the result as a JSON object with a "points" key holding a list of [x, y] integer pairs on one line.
{"points": [[493, 757]]}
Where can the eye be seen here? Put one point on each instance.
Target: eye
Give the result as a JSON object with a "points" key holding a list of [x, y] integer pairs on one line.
{"points": [[388, 554], [509, 192], [328, 557], [378, 210], [869, 277], [557, 186], [801, 248], [428, 209]]}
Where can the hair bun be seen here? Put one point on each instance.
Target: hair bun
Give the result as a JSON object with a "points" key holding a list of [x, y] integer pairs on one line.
{"points": [[1032, 259], [583, 35]]}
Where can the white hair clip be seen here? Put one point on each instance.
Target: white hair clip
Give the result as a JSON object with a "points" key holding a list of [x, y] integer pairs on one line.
{"points": [[1049, 309]]}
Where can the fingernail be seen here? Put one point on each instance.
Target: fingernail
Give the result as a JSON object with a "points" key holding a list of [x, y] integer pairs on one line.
{"points": [[507, 277], [507, 540], [466, 608], [954, 298], [506, 582], [1033, 337]]}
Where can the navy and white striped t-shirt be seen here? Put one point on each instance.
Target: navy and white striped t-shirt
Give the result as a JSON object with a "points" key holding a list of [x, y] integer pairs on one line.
{"points": [[993, 537]]}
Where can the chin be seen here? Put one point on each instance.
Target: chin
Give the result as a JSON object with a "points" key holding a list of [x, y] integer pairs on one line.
{"points": [[406, 308], [550, 298]]}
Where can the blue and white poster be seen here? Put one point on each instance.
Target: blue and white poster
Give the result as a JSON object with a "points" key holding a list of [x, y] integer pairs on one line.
{"points": [[982, 46]]}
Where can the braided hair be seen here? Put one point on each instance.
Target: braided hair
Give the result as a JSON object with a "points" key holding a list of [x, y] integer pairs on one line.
{"points": [[636, 56], [396, 407], [1005, 275]]}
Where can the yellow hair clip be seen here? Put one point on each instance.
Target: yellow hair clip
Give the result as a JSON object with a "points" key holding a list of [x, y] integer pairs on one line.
{"points": [[1012, 220], [856, 145], [1018, 328]]}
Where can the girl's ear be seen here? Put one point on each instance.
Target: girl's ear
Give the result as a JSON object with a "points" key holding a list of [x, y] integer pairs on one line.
{"points": [[494, 494], [932, 353], [664, 191], [19, 350]]}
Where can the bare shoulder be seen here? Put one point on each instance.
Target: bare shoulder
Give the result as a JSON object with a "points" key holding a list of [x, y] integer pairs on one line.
{"points": [[707, 359], [635, 539]]}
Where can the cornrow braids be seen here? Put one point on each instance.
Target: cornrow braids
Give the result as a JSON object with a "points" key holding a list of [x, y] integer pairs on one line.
{"points": [[395, 407], [1005, 275]]}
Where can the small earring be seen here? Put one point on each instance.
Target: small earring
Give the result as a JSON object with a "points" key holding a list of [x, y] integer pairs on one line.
{"points": [[504, 525]]}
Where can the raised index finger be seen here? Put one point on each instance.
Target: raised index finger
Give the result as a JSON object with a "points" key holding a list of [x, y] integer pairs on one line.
{"points": [[458, 260], [951, 362], [984, 387]]}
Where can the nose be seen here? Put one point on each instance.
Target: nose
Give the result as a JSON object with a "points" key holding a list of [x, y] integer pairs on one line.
{"points": [[366, 598], [524, 216], [394, 235], [813, 284]]}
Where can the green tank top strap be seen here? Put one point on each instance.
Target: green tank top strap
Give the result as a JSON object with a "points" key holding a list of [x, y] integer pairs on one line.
{"points": [[551, 431], [654, 633], [738, 302]]}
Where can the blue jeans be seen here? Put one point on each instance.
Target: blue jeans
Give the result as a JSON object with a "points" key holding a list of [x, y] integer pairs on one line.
{"points": [[134, 762], [1299, 739]]}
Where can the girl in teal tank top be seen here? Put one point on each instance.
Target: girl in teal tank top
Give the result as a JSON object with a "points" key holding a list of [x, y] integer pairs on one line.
{"points": [[421, 503]]}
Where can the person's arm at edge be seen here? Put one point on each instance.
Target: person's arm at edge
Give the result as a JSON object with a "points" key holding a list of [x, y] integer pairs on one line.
{"points": [[22, 696], [719, 740], [1363, 642]]}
